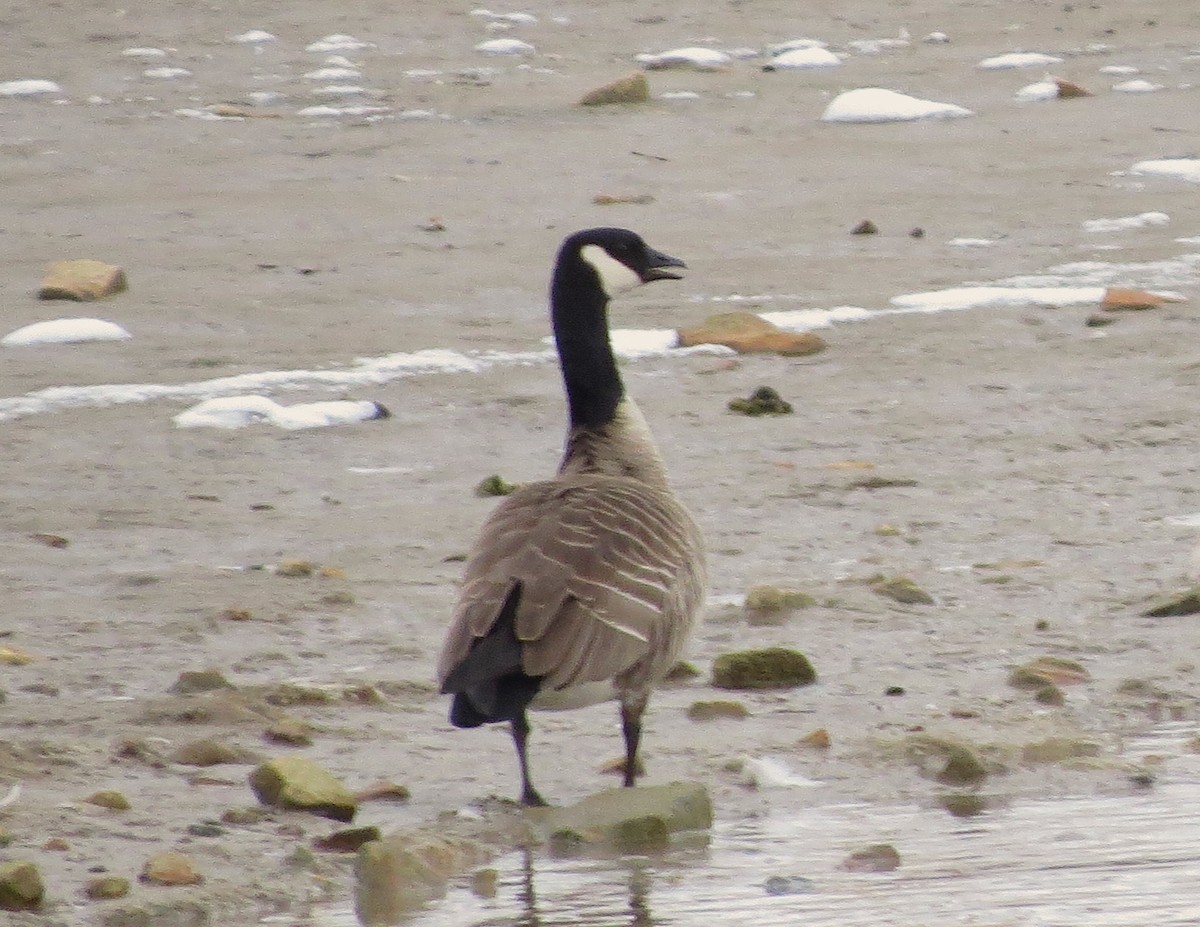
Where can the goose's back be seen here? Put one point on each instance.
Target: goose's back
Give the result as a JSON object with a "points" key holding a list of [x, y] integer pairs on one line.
{"points": [[611, 572]]}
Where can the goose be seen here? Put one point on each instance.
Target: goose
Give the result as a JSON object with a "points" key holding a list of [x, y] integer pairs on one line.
{"points": [[582, 588]]}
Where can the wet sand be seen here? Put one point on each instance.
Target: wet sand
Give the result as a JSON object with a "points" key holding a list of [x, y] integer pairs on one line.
{"points": [[1051, 451]]}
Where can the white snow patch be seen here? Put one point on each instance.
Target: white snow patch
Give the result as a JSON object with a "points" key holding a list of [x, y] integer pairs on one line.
{"points": [[143, 53], [972, 242], [515, 19], [936, 38], [505, 47], [339, 73], [65, 331], [1179, 168], [680, 95], [1137, 86], [325, 110], [207, 115], [768, 772], [698, 58], [1119, 70], [1036, 93], [799, 59], [875, 46], [166, 73], [794, 45], [240, 411], [28, 88], [1017, 60], [339, 90], [1140, 221], [253, 37], [803, 320], [874, 104], [956, 299], [337, 42]]}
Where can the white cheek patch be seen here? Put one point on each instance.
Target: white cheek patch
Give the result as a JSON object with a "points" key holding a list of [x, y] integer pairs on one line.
{"points": [[615, 277]]}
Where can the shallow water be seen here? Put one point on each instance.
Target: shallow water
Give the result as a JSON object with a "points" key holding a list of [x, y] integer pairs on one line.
{"points": [[1130, 859]]}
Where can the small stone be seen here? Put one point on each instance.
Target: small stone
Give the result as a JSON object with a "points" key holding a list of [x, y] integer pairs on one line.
{"points": [[866, 227], [300, 784], [170, 868], [1044, 671], [1123, 299], [625, 199], [236, 614], [633, 88], [964, 804], [208, 752], [14, 656], [748, 333], [494, 485], [765, 598], [768, 668], [1050, 695], [646, 834], [191, 682], [206, 829], [243, 816], [346, 841], [295, 568], [106, 888], [763, 401], [1059, 750], [903, 590], [81, 280], [56, 541], [56, 844], [484, 883], [947, 761], [681, 672], [916, 232], [879, 857], [789, 885], [1181, 603], [818, 739], [962, 767], [384, 791], [406, 870], [287, 694], [290, 731], [109, 798], [894, 691], [1069, 90], [21, 887], [604, 816], [1097, 320], [717, 710]]}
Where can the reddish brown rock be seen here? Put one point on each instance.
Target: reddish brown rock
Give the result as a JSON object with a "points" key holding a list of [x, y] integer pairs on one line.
{"points": [[748, 333], [170, 868], [81, 281], [1069, 90], [1123, 299]]}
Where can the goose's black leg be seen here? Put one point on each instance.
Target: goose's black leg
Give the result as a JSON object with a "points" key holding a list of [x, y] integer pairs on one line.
{"points": [[631, 728], [520, 735]]}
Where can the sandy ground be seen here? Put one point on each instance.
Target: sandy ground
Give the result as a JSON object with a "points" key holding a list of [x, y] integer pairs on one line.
{"points": [[1033, 442]]}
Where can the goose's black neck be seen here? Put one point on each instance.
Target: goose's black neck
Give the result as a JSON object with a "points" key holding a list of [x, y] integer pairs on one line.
{"points": [[579, 316]]}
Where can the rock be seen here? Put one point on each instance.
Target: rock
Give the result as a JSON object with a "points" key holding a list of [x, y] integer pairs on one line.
{"points": [[56, 844], [347, 841], [295, 568], [290, 731], [1069, 90], [1044, 671], [109, 798], [947, 761], [21, 887], [81, 281], [763, 401], [1123, 299], [717, 710], [191, 682], [170, 868], [626, 199], [236, 614], [181, 913], [57, 541], [902, 590], [866, 227], [879, 857], [647, 834], [300, 784], [244, 816], [748, 333], [621, 814], [1050, 695], [769, 668], [1181, 603], [403, 871], [484, 882], [633, 88], [287, 694], [881, 482], [681, 672], [768, 604], [209, 752], [964, 804], [106, 888], [14, 656], [818, 739], [384, 791], [789, 885], [494, 485], [1058, 750], [1098, 320]]}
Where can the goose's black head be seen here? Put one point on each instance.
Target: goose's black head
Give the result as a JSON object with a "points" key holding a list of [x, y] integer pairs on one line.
{"points": [[616, 260]]}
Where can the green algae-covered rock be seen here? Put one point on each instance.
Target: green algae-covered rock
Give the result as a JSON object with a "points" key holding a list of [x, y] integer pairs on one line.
{"points": [[903, 590], [1181, 603], [621, 817], [300, 784], [768, 668], [21, 887], [947, 761], [717, 710], [406, 870]]}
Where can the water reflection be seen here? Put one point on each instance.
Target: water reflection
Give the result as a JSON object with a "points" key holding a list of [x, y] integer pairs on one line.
{"points": [[1107, 861]]}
